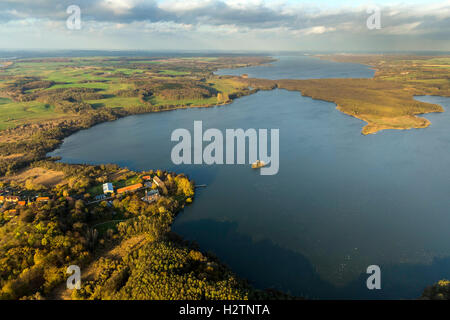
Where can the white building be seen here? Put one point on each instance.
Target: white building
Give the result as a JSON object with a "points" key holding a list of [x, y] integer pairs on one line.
{"points": [[108, 188]]}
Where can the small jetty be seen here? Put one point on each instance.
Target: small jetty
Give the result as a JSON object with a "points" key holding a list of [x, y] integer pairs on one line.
{"points": [[258, 164]]}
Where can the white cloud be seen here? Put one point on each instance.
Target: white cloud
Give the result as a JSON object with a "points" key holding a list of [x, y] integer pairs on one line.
{"points": [[403, 29], [314, 30], [183, 5], [120, 6]]}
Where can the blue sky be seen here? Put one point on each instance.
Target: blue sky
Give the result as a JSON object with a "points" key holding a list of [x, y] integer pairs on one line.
{"points": [[226, 25]]}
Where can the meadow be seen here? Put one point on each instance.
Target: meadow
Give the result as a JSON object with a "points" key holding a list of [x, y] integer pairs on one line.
{"points": [[34, 90]]}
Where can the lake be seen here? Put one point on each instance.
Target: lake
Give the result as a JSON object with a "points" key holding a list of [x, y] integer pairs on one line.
{"points": [[340, 202], [302, 67]]}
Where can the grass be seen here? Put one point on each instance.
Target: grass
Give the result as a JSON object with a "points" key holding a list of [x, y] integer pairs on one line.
{"points": [[95, 190], [111, 76], [145, 62], [382, 104], [157, 101], [5, 101], [223, 85], [228, 86], [102, 228], [38, 175], [128, 71], [15, 113], [98, 189], [173, 72], [65, 75], [127, 182], [115, 102], [95, 85]]}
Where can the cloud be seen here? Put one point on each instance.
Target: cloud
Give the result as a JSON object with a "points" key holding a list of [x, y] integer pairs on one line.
{"points": [[230, 20], [314, 30], [120, 6], [403, 29]]}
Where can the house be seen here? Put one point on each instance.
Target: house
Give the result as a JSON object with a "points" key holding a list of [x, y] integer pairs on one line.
{"points": [[160, 184], [22, 203], [9, 199], [148, 184], [131, 188], [100, 197], [108, 188], [42, 199], [157, 181], [146, 178], [151, 196], [11, 212], [12, 199]]}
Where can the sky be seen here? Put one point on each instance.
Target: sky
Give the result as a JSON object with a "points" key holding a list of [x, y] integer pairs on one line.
{"points": [[226, 25]]}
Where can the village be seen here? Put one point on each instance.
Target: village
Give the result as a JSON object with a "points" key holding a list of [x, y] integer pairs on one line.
{"points": [[12, 199], [13, 202], [152, 195]]}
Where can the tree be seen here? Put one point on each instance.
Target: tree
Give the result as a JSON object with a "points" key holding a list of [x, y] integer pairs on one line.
{"points": [[184, 186]]}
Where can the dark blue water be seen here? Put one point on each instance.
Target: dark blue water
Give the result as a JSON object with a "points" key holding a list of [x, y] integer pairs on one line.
{"points": [[302, 67], [340, 202]]}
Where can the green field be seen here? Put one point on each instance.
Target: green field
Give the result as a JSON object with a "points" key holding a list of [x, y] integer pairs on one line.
{"points": [[174, 73], [98, 189], [12, 113], [52, 88]]}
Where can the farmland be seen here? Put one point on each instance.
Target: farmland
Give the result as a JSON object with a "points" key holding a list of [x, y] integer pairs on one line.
{"points": [[40, 90], [35, 90]]}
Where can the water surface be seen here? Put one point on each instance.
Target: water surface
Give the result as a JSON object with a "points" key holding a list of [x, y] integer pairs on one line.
{"points": [[340, 202], [302, 67]]}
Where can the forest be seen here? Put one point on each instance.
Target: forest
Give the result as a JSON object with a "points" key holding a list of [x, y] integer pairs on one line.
{"points": [[40, 240]]}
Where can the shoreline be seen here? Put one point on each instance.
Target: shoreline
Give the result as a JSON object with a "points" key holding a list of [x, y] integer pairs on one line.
{"points": [[372, 127], [73, 128], [369, 128]]}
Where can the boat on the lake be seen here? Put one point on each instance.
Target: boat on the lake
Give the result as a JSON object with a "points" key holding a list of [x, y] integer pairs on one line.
{"points": [[258, 164]]}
